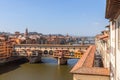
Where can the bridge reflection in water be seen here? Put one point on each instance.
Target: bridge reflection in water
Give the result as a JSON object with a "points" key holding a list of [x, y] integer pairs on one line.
{"points": [[34, 52]]}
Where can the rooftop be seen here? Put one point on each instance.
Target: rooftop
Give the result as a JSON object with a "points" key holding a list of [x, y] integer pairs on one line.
{"points": [[112, 9], [86, 65]]}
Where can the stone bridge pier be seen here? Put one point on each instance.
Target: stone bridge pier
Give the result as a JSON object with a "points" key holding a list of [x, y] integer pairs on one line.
{"points": [[62, 61], [33, 56]]}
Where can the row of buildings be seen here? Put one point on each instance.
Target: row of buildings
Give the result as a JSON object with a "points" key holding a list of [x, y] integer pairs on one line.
{"points": [[8, 41], [108, 42], [6, 49], [106, 51], [38, 38]]}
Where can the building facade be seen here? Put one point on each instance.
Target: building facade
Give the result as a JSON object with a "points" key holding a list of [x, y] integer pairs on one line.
{"points": [[113, 14], [5, 50], [102, 42]]}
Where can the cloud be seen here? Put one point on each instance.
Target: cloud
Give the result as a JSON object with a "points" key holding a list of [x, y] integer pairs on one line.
{"points": [[96, 23]]}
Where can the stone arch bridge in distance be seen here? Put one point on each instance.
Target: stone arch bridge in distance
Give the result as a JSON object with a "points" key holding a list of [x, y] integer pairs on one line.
{"points": [[34, 52]]}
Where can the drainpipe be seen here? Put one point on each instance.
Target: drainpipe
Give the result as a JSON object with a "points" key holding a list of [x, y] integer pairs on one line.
{"points": [[115, 50]]}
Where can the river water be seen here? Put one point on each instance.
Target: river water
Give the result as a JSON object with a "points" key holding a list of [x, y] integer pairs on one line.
{"points": [[48, 70]]}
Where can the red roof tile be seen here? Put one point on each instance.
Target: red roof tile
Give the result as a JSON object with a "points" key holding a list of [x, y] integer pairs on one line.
{"points": [[92, 71], [85, 64]]}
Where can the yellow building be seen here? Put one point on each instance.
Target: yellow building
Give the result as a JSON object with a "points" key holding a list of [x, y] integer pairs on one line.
{"points": [[78, 54]]}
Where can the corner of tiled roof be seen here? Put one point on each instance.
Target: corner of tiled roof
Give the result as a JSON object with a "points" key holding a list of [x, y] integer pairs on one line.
{"points": [[81, 61], [85, 65]]}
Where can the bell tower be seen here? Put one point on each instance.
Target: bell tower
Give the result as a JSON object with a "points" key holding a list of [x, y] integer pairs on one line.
{"points": [[26, 32]]}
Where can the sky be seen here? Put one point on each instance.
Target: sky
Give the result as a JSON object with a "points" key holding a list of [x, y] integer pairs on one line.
{"points": [[73, 17]]}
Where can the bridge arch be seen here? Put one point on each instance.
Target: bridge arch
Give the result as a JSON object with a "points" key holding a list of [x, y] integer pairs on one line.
{"points": [[40, 51], [51, 52], [23, 52], [46, 52], [72, 53]]}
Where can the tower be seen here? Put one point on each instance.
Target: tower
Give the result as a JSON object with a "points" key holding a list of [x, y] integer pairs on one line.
{"points": [[26, 33]]}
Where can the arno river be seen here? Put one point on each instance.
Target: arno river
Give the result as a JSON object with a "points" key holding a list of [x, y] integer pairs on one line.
{"points": [[48, 70]]}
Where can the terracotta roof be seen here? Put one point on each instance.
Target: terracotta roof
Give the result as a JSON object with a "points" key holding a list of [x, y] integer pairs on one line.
{"points": [[103, 36], [90, 58], [92, 71], [108, 26], [82, 61], [85, 64], [105, 39]]}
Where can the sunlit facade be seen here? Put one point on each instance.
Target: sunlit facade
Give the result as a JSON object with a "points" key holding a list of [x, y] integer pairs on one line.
{"points": [[113, 14]]}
